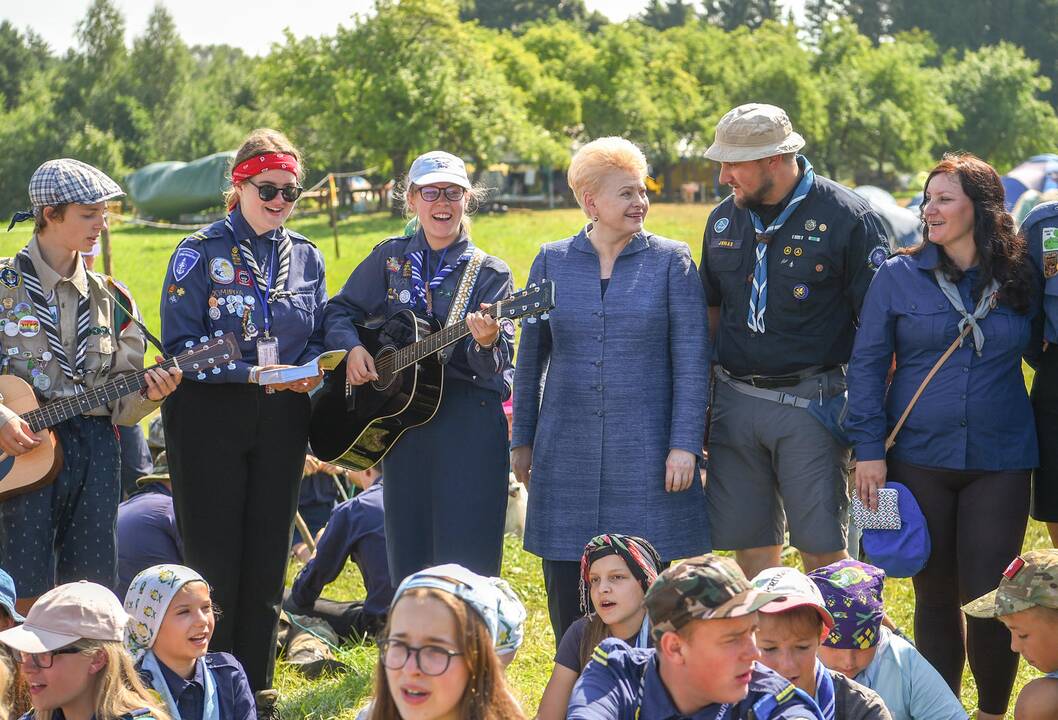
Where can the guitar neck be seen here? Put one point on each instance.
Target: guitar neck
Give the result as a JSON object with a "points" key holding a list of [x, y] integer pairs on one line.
{"points": [[439, 340], [64, 408]]}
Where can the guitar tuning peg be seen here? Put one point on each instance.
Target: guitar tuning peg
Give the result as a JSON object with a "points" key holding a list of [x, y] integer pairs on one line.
{"points": [[531, 320], [216, 371], [231, 366], [203, 339], [200, 376], [218, 333], [189, 344], [545, 316]]}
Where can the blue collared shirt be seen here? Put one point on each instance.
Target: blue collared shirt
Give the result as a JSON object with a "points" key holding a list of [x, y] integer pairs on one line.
{"points": [[204, 275], [147, 533], [381, 285], [975, 412], [233, 688], [1041, 222], [356, 531], [623, 683], [189, 695]]}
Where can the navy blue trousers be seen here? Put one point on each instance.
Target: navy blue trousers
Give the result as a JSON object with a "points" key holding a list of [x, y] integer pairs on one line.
{"points": [[446, 486], [64, 532]]}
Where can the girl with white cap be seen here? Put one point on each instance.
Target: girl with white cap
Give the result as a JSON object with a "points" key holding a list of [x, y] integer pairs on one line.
{"points": [[449, 508], [72, 655], [171, 625]]}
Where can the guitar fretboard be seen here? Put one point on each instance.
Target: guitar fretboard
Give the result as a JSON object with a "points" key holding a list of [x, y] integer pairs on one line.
{"points": [[56, 411], [444, 337]]}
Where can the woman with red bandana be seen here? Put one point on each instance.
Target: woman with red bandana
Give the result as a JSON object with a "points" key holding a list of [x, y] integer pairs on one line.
{"points": [[236, 448]]}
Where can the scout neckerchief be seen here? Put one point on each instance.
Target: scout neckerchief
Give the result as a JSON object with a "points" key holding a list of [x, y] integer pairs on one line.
{"points": [[421, 289], [824, 691], [211, 700], [282, 240], [50, 323], [984, 306], [758, 297]]}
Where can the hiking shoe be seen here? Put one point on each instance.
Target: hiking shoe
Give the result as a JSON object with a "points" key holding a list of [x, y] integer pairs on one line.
{"points": [[267, 702]]}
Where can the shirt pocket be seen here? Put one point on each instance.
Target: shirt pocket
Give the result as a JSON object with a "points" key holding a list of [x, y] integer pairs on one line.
{"points": [[99, 355], [926, 326]]}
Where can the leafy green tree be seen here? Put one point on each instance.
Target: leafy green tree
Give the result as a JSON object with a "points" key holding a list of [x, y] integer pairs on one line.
{"points": [[732, 14], [999, 92], [21, 55], [664, 14], [516, 15]]}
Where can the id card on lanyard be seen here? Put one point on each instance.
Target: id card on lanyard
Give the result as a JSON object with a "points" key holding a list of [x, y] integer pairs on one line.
{"points": [[268, 345]]}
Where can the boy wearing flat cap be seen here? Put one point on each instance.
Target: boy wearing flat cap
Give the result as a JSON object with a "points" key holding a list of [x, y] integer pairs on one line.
{"points": [[65, 331], [786, 261], [1026, 601], [703, 665]]}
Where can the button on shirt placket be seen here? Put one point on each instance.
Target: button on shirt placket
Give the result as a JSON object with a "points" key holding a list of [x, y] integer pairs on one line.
{"points": [[599, 327]]}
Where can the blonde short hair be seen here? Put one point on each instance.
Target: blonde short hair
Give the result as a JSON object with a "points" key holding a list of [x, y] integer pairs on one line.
{"points": [[598, 157]]}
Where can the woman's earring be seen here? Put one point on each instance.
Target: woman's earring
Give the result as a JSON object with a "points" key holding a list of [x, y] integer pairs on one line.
{"points": [[595, 218]]}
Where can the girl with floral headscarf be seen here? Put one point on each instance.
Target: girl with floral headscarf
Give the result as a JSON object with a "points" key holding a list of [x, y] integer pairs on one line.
{"points": [[615, 572], [172, 621]]}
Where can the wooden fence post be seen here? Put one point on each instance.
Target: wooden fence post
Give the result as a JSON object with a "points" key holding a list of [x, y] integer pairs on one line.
{"points": [[332, 204]]}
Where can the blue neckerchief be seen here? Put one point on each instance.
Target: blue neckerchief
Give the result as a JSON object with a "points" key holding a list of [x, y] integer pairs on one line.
{"points": [[418, 284], [211, 706], [824, 691], [758, 297], [643, 638]]}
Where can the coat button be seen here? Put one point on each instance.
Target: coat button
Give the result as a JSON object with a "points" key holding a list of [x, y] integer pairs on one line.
{"points": [[598, 363], [599, 338], [963, 423]]}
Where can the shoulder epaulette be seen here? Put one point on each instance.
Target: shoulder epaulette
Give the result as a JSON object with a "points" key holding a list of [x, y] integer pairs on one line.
{"points": [[298, 236], [391, 239], [1041, 212], [126, 306]]}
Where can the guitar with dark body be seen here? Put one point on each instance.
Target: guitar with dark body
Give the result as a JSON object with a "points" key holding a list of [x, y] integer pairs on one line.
{"points": [[355, 427]]}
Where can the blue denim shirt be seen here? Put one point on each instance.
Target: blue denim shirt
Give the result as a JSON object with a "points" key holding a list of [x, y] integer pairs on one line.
{"points": [[975, 413], [195, 282]]}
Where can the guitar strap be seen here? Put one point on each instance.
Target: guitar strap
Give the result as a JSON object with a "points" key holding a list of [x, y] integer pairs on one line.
{"points": [[457, 311]]}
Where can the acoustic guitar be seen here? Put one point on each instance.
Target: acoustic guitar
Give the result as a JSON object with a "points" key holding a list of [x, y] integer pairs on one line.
{"points": [[41, 465], [355, 427]]}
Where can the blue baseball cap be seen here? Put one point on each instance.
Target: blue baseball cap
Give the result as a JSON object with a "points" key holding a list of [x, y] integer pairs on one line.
{"points": [[7, 597], [901, 553]]}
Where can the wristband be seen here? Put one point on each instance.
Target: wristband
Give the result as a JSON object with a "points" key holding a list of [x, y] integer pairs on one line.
{"points": [[255, 375]]}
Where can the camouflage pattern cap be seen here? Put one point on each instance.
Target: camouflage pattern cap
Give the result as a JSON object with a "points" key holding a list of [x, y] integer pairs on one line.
{"points": [[702, 588], [1031, 580]]}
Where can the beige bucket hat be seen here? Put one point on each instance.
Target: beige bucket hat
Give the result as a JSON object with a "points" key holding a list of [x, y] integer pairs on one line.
{"points": [[754, 131]]}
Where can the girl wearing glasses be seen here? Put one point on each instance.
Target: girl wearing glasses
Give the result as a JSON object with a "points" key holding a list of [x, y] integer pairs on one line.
{"points": [[446, 481], [71, 654], [437, 656], [236, 449]]}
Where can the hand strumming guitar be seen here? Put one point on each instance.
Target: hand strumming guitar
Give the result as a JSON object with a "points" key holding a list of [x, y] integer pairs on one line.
{"points": [[16, 437], [359, 366]]}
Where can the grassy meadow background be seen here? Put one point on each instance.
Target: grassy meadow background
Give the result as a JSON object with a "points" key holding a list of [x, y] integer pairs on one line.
{"points": [[140, 256]]}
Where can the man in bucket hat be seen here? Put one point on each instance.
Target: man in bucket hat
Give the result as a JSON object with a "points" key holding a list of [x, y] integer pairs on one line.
{"points": [[704, 661], [1026, 601], [786, 261]]}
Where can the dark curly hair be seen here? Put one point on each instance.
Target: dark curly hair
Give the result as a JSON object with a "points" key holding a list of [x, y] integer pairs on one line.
{"points": [[1001, 252]]}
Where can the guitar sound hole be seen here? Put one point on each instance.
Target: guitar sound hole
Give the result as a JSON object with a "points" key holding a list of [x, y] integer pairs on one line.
{"points": [[384, 367]]}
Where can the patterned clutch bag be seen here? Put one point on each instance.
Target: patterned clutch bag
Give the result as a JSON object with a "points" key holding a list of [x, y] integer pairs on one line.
{"points": [[887, 516]]}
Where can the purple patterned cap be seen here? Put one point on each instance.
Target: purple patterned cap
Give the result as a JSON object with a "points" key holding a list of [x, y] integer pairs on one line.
{"points": [[852, 591]]}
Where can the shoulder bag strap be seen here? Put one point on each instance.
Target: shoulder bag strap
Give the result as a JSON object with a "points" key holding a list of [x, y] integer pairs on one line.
{"points": [[891, 440]]}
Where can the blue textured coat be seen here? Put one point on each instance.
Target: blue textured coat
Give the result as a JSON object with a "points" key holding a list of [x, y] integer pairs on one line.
{"points": [[626, 381]]}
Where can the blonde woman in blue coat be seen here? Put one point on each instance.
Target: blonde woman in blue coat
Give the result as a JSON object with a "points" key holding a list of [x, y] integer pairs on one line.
{"points": [[609, 440]]}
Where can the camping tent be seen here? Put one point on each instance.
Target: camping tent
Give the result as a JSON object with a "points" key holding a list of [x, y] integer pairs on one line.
{"points": [[1039, 172], [167, 190]]}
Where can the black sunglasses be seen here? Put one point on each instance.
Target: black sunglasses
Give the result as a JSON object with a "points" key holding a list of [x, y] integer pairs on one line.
{"points": [[429, 193], [267, 191]]}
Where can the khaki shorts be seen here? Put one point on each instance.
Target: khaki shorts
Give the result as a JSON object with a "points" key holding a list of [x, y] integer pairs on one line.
{"points": [[774, 467]]}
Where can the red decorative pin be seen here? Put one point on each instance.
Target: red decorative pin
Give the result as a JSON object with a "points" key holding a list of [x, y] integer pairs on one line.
{"points": [[1013, 568]]}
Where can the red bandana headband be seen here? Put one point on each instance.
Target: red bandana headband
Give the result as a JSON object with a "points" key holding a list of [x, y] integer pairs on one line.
{"points": [[260, 163]]}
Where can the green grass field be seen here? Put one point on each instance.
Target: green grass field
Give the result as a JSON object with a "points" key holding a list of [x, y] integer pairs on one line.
{"points": [[140, 258]]}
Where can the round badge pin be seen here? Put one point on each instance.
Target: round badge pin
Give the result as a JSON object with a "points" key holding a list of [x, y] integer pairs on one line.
{"points": [[800, 291], [878, 256], [9, 303], [404, 296], [221, 271], [42, 382], [214, 313], [11, 329], [29, 326], [21, 308], [46, 356], [720, 225], [248, 299]]}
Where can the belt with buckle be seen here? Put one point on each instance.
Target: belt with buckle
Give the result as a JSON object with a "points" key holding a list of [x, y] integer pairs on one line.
{"points": [[778, 381]]}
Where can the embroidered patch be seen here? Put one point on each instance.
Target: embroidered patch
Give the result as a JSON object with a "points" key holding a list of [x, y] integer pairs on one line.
{"points": [[184, 261], [720, 225], [1050, 264], [10, 277], [1050, 238], [800, 291], [877, 257], [726, 243], [392, 264], [810, 225], [221, 270], [242, 277]]}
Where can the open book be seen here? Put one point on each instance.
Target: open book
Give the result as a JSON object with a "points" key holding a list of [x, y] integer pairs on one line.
{"points": [[325, 361]]}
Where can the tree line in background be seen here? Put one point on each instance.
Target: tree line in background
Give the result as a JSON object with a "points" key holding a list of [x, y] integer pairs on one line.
{"points": [[878, 87]]}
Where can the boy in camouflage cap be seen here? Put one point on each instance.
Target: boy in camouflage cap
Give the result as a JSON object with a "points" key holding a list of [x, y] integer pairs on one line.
{"points": [[704, 663], [1026, 601]]}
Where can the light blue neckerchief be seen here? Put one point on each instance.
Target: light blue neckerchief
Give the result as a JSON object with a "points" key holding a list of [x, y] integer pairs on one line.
{"points": [[824, 691], [643, 638], [758, 297], [211, 704], [984, 306]]}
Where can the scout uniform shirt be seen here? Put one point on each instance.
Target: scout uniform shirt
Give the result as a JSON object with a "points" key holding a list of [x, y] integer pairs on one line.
{"points": [[623, 683], [210, 287], [1040, 231], [115, 344], [820, 263]]}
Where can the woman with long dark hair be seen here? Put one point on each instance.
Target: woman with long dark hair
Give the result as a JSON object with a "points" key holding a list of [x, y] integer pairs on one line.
{"points": [[969, 444]]}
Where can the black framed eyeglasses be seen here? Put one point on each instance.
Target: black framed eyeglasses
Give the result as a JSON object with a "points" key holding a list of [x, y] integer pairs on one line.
{"points": [[429, 193], [44, 660], [268, 191], [431, 659]]}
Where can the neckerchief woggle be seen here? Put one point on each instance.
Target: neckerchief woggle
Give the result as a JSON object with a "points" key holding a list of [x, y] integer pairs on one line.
{"points": [[211, 700], [984, 306], [758, 297]]}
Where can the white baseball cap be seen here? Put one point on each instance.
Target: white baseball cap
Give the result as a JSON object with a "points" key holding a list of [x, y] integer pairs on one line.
{"points": [[438, 166], [797, 591], [68, 613]]}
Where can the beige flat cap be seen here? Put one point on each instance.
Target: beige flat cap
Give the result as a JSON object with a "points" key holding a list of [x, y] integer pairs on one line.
{"points": [[753, 131]]}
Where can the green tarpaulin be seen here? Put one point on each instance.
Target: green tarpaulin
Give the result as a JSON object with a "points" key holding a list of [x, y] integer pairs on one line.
{"points": [[166, 190]]}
